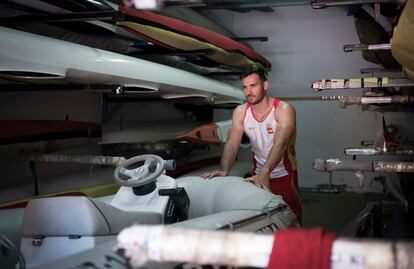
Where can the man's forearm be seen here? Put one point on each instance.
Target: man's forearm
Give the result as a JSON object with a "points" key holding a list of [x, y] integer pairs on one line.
{"points": [[228, 158], [275, 156]]}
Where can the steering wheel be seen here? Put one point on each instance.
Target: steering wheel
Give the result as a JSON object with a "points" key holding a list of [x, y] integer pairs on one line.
{"points": [[141, 175]]}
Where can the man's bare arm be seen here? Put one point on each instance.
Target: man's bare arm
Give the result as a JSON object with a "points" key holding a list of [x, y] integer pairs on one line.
{"points": [[286, 122], [233, 141], [232, 145]]}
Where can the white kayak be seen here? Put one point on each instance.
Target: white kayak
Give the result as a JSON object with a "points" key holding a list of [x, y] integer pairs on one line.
{"points": [[36, 59]]}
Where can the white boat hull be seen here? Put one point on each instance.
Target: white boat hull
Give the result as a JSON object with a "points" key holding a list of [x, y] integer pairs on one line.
{"points": [[44, 60]]}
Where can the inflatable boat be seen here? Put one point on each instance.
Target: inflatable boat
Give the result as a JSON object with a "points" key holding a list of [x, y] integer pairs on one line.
{"points": [[57, 227]]}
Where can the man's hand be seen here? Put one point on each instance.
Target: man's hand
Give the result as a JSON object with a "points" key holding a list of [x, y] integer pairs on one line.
{"points": [[217, 173], [261, 181]]}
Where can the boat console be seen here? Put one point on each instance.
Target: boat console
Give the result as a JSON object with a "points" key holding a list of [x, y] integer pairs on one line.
{"points": [[56, 227]]}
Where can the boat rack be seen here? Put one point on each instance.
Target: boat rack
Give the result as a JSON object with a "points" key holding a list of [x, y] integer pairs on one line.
{"points": [[375, 70], [376, 151], [318, 4], [360, 83], [365, 100], [360, 47], [360, 166]]}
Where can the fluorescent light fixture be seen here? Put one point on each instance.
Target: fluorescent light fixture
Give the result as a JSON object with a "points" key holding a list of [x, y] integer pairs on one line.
{"points": [[143, 4], [95, 2]]}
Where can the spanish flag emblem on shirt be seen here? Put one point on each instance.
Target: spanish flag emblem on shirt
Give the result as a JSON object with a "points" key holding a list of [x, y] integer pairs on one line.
{"points": [[269, 129]]}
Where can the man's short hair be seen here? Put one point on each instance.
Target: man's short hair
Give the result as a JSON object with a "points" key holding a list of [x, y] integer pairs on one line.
{"points": [[255, 69]]}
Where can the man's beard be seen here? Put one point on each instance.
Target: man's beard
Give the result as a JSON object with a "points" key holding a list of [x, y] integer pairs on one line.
{"points": [[256, 100]]}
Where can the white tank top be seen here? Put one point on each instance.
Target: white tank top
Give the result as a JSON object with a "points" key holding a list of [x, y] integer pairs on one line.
{"points": [[261, 134]]}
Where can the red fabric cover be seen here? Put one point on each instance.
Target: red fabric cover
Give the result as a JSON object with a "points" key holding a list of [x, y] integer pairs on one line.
{"points": [[308, 248]]}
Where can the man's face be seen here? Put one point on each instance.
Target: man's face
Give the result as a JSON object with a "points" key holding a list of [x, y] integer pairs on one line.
{"points": [[254, 89]]}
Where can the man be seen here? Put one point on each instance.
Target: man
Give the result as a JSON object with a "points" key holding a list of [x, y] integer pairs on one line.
{"points": [[270, 125]]}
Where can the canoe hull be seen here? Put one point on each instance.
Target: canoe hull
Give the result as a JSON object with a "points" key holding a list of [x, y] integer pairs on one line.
{"points": [[37, 59]]}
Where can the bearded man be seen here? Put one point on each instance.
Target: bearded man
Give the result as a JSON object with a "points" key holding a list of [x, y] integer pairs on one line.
{"points": [[270, 124]]}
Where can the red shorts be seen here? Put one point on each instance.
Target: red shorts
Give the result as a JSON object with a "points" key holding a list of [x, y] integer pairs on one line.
{"points": [[287, 186]]}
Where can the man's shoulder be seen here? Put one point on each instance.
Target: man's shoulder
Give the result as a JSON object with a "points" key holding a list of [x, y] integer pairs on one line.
{"points": [[240, 109], [284, 106], [285, 111], [239, 113]]}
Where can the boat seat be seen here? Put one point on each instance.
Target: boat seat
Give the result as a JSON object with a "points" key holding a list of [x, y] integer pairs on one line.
{"points": [[80, 216], [225, 194]]}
